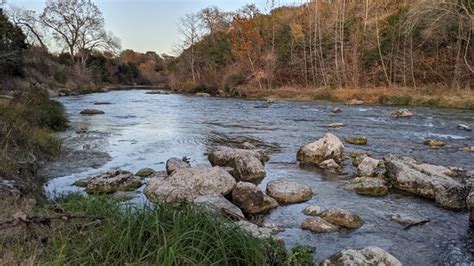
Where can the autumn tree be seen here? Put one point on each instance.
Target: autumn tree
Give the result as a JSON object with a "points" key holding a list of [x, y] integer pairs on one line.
{"points": [[246, 42]]}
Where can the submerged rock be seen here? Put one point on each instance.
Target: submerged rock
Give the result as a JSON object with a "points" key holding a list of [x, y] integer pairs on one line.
{"points": [[368, 167], [313, 210], [92, 112], [468, 149], [355, 102], [202, 94], [434, 143], [174, 164], [366, 256], [102, 103], [287, 191], [328, 147], [426, 180], [368, 186], [464, 127], [186, 184], [401, 113], [145, 172], [357, 140], [336, 125], [112, 181], [342, 218], [251, 199], [216, 201], [407, 220], [336, 110], [318, 225]]}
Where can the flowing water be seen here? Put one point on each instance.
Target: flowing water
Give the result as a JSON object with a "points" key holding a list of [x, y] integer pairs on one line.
{"points": [[142, 130]]}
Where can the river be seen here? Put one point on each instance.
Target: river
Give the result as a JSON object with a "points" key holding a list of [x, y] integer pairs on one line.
{"points": [[142, 130]]}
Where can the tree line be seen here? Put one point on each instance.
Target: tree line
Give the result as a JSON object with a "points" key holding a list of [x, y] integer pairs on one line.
{"points": [[90, 57], [329, 43]]}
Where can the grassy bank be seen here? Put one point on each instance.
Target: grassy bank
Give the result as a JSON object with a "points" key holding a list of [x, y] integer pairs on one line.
{"points": [[431, 97], [97, 230]]}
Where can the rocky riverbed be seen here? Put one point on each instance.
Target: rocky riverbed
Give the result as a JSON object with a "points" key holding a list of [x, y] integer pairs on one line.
{"points": [[138, 130]]}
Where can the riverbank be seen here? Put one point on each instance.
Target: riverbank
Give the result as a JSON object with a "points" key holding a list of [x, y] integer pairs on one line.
{"points": [[98, 230], [399, 96]]}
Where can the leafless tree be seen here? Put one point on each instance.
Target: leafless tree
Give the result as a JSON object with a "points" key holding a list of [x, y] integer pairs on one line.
{"points": [[189, 27], [78, 26], [29, 23]]}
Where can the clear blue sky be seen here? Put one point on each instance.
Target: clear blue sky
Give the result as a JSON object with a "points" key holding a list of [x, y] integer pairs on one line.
{"points": [[150, 25]]}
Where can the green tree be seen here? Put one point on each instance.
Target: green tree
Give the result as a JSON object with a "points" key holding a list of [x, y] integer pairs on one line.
{"points": [[12, 44]]}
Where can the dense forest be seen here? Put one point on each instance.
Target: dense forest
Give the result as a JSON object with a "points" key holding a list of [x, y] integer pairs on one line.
{"points": [[320, 44], [330, 44]]}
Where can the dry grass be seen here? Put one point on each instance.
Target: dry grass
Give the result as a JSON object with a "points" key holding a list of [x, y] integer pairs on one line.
{"points": [[433, 97]]}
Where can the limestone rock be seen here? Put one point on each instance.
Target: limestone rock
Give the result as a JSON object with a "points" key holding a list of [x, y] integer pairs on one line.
{"points": [[426, 180], [251, 199], [174, 164], [318, 225], [186, 184], [328, 147], [362, 257], [287, 191], [368, 186], [342, 218]]}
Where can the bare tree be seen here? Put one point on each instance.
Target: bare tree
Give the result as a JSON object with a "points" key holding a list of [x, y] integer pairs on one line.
{"points": [[215, 20], [78, 26], [189, 27], [29, 23]]}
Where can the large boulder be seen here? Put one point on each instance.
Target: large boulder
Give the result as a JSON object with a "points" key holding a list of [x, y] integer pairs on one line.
{"points": [[287, 191], [186, 184], [318, 225], [216, 201], [368, 186], [248, 168], [366, 256], [251, 199], [402, 113], [247, 164], [328, 147], [111, 182], [342, 218], [357, 140], [426, 180], [175, 163]]}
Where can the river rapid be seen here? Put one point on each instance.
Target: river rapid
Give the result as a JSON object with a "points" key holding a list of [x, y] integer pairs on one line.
{"points": [[142, 130]]}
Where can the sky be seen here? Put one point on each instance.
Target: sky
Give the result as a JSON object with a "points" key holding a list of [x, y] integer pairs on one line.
{"points": [[149, 25]]}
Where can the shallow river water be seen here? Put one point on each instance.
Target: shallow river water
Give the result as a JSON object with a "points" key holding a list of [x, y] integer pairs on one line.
{"points": [[143, 130]]}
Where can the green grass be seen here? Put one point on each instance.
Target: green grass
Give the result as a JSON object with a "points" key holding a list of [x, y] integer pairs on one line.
{"points": [[27, 123], [118, 234]]}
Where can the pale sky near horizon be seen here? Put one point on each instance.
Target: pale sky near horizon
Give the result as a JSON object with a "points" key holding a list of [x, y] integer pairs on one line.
{"points": [[150, 25]]}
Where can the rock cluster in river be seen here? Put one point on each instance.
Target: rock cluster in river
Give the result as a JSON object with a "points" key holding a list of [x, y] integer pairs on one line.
{"points": [[244, 164], [331, 220]]}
